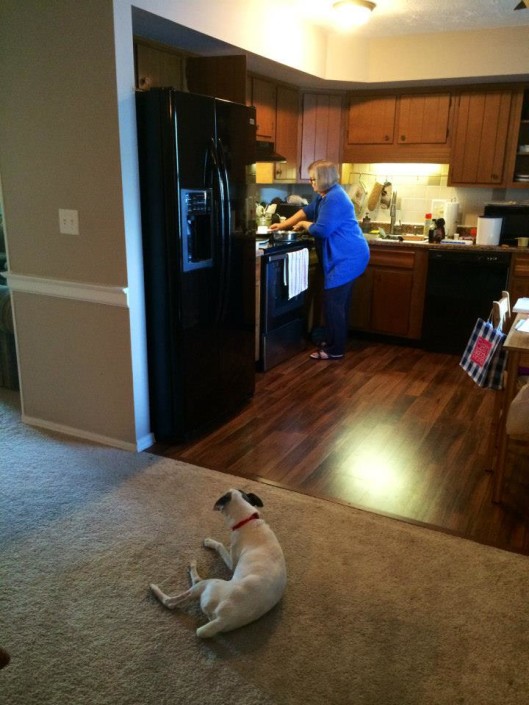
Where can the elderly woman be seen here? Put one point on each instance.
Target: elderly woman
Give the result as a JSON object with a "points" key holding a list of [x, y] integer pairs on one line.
{"points": [[342, 251]]}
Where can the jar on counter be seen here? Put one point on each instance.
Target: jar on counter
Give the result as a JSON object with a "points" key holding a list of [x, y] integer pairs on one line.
{"points": [[265, 220]]}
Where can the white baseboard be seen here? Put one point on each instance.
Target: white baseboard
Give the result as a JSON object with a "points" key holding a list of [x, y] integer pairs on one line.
{"points": [[137, 447]]}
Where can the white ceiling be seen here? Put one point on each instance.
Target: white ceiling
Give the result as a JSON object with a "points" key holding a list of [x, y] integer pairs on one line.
{"points": [[407, 17]]}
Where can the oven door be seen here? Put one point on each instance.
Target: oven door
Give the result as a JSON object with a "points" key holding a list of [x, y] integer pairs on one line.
{"points": [[278, 308], [283, 325]]}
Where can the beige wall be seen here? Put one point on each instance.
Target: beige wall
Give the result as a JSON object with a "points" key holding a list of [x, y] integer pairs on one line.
{"points": [[60, 139], [72, 356], [81, 349], [448, 56]]}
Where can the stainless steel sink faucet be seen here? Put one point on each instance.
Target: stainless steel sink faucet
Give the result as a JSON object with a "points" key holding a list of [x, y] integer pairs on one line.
{"points": [[393, 212]]}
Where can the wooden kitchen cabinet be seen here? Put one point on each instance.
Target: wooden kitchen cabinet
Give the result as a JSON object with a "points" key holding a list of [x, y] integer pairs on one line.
{"points": [[287, 132], [480, 138], [518, 165], [371, 120], [217, 76], [519, 276], [158, 66], [321, 132], [399, 128], [389, 297], [423, 119], [264, 101]]}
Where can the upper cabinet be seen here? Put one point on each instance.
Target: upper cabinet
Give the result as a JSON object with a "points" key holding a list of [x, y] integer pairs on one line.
{"points": [[519, 166], [423, 119], [407, 127], [218, 76], [371, 120], [480, 139], [287, 132], [277, 109], [263, 98], [321, 136], [158, 66]]}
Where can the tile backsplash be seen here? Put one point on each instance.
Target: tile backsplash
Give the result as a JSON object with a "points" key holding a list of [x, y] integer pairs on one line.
{"points": [[416, 185]]}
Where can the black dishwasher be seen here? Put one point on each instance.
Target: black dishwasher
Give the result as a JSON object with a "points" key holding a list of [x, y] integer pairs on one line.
{"points": [[460, 287]]}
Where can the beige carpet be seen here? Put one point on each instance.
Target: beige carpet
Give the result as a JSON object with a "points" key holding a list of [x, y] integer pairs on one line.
{"points": [[376, 611]]}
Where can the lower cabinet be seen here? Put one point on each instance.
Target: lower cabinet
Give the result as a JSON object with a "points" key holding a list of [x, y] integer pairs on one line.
{"points": [[519, 280], [389, 297]]}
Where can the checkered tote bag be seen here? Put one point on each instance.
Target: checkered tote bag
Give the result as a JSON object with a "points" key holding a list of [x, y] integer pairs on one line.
{"points": [[485, 358]]}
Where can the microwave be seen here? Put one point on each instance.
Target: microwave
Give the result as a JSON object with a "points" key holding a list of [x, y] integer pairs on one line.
{"points": [[515, 219]]}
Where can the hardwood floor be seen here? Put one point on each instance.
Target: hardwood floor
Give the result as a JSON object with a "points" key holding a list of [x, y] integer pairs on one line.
{"points": [[391, 429]]}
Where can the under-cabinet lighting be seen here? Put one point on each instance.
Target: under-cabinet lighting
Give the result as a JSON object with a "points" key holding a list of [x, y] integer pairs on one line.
{"points": [[404, 169]]}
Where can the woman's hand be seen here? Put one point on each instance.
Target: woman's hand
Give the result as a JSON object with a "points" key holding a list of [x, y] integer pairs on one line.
{"points": [[295, 222], [302, 225]]}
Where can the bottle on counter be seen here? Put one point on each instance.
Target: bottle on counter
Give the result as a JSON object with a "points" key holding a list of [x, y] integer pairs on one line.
{"points": [[366, 224], [428, 224], [439, 230]]}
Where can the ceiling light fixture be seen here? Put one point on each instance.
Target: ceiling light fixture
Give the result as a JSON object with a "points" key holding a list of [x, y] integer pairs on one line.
{"points": [[352, 13]]}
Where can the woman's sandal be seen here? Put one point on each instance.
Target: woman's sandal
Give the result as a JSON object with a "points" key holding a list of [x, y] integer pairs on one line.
{"points": [[322, 355]]}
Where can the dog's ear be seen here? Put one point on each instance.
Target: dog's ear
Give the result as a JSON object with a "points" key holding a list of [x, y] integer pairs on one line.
{"points": [[252, 499], [222, 501]]}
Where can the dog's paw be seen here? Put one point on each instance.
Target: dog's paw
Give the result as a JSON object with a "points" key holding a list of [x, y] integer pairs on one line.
{"points": [[210, 543], [156, 592]]}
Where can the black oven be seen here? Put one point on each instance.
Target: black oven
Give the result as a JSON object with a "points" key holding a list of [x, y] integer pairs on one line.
{"points": [[283, 328]]}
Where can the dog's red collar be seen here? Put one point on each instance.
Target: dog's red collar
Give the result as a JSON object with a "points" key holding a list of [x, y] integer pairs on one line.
{"points": [[255, 515]]}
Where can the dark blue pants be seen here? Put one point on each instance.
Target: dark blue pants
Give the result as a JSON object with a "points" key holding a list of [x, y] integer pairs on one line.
{"points": [[336, 304]]}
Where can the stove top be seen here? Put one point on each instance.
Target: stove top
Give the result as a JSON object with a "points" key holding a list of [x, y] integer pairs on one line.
{"points": [[272, 244]]}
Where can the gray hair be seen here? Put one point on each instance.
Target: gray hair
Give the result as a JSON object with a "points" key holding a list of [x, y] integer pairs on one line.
{"points": [[326, 172]]}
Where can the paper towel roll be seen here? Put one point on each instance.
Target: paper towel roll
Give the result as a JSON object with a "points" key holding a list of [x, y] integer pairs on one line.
{"points": [[488, 231], [451, 216]]}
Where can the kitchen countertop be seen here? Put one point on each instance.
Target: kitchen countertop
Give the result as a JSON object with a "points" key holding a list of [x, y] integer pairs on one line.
{"points": [[375, 243], [447, 246]]}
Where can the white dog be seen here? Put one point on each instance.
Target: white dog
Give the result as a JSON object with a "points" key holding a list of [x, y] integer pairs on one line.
{"points": [[259, 571]]}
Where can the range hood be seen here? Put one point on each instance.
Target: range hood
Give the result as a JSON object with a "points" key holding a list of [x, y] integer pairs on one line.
{"points": [[266, 152]]}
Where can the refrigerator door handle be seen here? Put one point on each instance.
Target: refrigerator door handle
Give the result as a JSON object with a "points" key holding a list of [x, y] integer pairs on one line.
{"points": [[224, 176], [214, 175], [221, 174], [226, 225]]}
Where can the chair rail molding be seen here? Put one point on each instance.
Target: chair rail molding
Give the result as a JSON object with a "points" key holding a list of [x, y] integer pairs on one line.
{"points": [[78, 291]]}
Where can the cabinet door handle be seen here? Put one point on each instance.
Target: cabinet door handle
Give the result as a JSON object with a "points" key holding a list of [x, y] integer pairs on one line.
{"points": [[403, 138]]}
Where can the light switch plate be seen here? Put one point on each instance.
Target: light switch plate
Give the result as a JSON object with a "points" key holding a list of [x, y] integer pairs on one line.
{"points": [[68, 222]]}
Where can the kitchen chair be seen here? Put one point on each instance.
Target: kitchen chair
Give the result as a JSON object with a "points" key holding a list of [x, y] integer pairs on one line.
{"points": [[517, 419], [501, 319], [516, 433]]}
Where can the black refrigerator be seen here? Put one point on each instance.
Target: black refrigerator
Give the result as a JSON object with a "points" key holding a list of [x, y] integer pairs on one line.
{"points": [[197, 182]]}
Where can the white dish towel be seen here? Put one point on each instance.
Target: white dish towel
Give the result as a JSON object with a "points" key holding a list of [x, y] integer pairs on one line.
{"points": [[296, 273]]}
